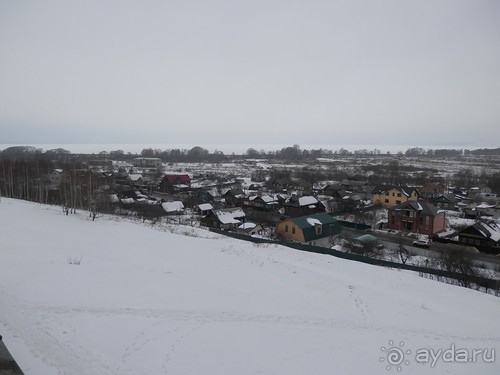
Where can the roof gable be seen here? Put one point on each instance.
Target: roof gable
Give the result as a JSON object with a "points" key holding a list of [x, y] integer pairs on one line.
{"points": [[406, 190], [489, 231], [309, 221], [423, 207]]}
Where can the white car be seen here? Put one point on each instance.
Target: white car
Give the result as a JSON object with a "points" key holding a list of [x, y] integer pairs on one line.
{"points": [[422, 242]]}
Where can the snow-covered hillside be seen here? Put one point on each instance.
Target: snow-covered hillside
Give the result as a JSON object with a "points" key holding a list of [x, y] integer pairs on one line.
{"points": [[143, 301]]}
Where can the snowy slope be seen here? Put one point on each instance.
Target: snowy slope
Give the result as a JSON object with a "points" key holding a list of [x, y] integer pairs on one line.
{"points": [[143, 301]]}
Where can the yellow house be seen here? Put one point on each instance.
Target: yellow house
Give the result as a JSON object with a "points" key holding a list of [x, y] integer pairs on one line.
{"points": [[390, 196]]}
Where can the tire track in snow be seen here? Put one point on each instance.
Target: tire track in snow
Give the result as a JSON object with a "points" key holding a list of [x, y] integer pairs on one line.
{"points": [[203, 316]]}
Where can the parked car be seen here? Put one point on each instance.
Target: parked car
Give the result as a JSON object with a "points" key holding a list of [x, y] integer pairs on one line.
{"points": [[421, 242]]}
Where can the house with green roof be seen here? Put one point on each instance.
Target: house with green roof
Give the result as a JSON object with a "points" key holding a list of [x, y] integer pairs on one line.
{"points": [[317, 229]]}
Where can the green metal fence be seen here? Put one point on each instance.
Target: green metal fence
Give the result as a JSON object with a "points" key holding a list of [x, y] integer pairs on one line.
{"points": [[493, 284]]}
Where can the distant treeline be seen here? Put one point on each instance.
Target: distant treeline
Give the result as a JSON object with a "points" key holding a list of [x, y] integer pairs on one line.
{"points": [[199, 154]]}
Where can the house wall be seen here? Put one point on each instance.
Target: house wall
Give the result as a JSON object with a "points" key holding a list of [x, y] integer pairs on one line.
{"points": [[416, 224], [295, 211], [439, 223], [443, 204], [147, 162], [392, 198], [281, 231]]}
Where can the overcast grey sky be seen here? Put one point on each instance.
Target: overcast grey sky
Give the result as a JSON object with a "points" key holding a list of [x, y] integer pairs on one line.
{"points": [[308, 72]]}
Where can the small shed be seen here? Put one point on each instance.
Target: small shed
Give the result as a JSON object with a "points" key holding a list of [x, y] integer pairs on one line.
{"points": [[173, 208]]}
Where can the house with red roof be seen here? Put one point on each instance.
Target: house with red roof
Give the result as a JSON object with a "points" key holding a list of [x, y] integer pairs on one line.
{"points": [[175, 182]]}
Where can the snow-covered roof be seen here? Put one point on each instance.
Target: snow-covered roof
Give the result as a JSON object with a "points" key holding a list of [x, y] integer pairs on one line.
{"points": [[173, 206], [489, 230], [114, 198], [135, 176], [307, 200], [247, 225], [138, 194], [313, 221], [205, 207], [127, 200], [227, 218], [484, 205], [267, 199]]}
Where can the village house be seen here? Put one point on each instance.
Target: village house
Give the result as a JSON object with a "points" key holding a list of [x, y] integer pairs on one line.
{"points": [[482, 235], [135, 179], [225, 219], [250, 229], [317, 229], [209, 195], [203, 209], [353, 184], [390, 196], [430, 191], [445, 201], [175, 182], [173, 208], [300, 206], [262, 203], [303, 187], [476, 211], [416, 216], [332, 190], [147, 162], [234, 197]]}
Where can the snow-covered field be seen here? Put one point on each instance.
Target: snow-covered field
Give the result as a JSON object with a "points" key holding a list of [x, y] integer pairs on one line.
{"points": [[144, 301]]}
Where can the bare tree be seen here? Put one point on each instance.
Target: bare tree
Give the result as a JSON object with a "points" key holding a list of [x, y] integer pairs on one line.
{"points": [[365, 249], [400, 251], [460, 262]]}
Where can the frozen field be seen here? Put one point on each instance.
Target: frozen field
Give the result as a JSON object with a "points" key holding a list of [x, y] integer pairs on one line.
{"points": [[144, 301]]}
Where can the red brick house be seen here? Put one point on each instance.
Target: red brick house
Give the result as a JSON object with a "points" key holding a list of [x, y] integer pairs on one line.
{"points": [[416, 216]]}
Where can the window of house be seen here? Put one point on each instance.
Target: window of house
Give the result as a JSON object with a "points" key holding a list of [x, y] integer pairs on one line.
{"points": [[387, 201], [318, 229], [399, 195], [387, 193], [286, 228], [392, 194], [293, 230], [398, 202]]}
